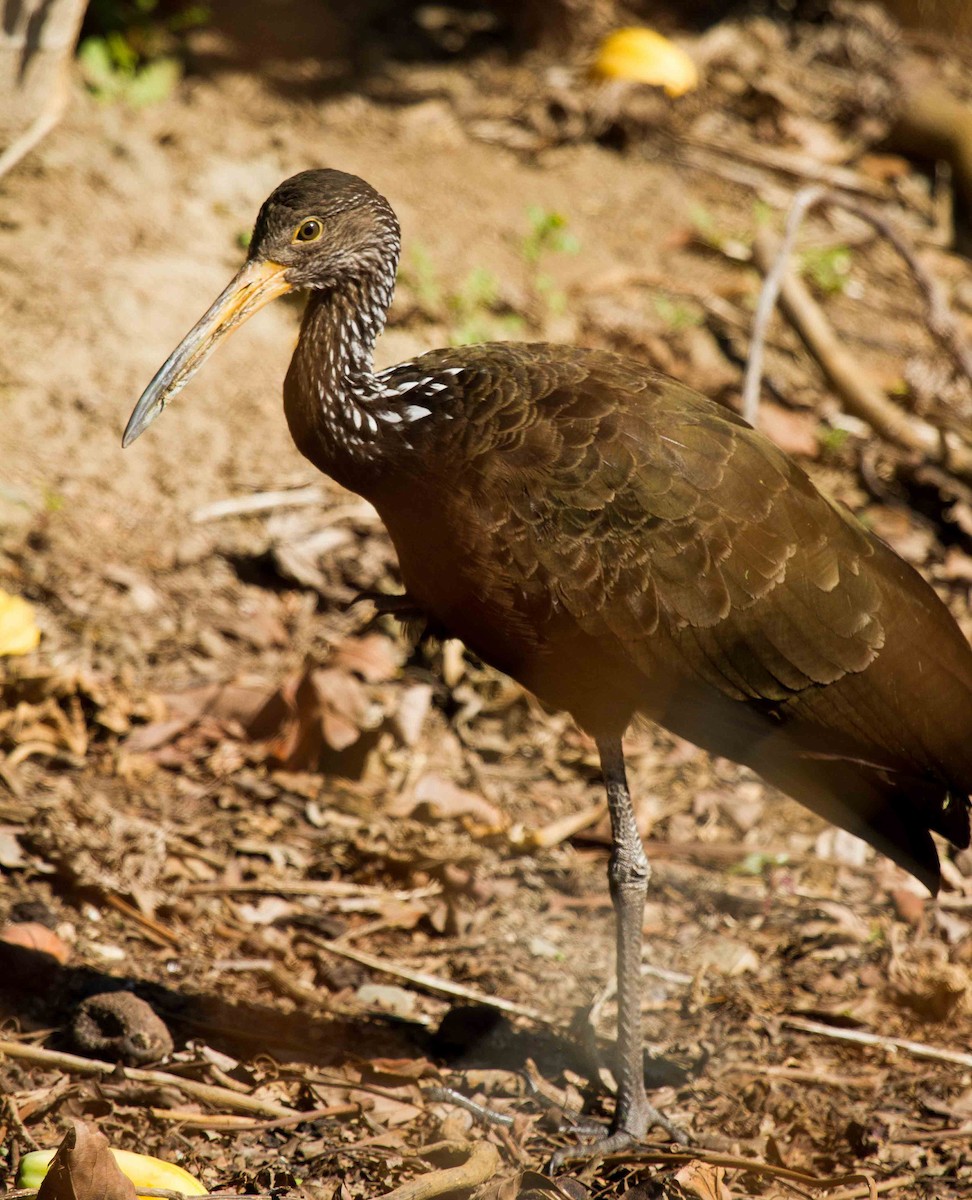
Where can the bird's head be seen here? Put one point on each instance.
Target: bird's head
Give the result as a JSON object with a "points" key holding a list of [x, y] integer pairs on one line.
{"points": [[322, 230]]}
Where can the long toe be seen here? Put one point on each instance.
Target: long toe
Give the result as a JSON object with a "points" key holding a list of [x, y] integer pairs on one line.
{"points": [[628, 1134]]}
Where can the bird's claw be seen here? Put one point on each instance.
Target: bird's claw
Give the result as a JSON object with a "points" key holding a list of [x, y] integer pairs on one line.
{"points": [[631, 1133], [400, 606]]}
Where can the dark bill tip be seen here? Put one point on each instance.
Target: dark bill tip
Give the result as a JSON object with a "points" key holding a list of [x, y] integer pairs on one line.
{"points": [[254, 286]]}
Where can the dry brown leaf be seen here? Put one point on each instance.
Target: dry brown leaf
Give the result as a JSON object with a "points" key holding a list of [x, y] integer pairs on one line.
{"points": [[534, 1186], [704, 1181], [410, 1069], [84, 1169], [443, 800], [145, 738], [313, 715], [34, 936], [374, 657]]}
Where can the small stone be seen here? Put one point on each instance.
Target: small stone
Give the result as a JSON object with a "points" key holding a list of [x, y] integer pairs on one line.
{"points": [[122, 1028]]}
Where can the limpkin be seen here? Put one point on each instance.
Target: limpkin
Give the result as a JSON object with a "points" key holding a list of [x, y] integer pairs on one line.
{"points": [[620, 545]]}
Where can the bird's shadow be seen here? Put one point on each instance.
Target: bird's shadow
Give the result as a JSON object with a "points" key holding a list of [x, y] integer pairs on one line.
{"points": [[39, 993]]}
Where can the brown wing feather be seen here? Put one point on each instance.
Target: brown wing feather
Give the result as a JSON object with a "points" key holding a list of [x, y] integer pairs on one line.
{"points": [[681, 542]]}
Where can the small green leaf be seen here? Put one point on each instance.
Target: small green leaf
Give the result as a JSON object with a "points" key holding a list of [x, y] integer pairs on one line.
{"points": [[154, 82], [97, 67]]}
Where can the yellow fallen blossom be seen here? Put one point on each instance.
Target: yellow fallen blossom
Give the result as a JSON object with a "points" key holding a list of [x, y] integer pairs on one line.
{"points": [[18, 629], [642, 55]]}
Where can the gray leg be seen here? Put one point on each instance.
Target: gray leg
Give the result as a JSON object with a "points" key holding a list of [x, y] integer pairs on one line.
{"points": [[628, 874]]}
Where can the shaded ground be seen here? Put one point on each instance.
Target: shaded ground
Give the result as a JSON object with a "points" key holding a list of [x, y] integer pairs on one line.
{"points": [[216, 780]]}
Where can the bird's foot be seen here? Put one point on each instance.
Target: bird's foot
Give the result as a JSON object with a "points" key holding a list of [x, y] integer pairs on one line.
{"points": [[402, 607], [630, 1129], [416, 624]]}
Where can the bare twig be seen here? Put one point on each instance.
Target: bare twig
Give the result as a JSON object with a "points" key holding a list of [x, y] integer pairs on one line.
{"points": [[43, 123], [811, 1075], [257, 502], [20, 1129], [449, 1095], [207, 1092], [775, 273], [938, 316], [231, 1123], [433, 983], [151, 929], [873, 1189], [732, 1162], [862, 398], [562, 829], [862, 1038], [482, 1163], [337, 889], [790, 162]]}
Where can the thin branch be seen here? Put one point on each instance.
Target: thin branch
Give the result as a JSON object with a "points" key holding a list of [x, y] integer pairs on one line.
{"points": [[433, 983], [862, 1038], [207, 1092], [231, 1123], [789, 162], [39, 128], [862, 398], [336, 889], [802, 202], [938, 316], [732, 1162]]}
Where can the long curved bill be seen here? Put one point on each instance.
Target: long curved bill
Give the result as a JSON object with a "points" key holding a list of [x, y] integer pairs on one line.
{"points": [[255, 285]]}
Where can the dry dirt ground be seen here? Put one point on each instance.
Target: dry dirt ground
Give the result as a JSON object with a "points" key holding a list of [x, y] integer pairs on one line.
{"points": [[218, 785]]}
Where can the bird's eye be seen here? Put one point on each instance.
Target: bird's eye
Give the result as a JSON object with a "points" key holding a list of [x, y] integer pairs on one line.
{"points": [[309, 230]]}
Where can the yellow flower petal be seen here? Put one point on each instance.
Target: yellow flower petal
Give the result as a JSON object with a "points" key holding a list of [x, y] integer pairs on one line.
{"points": [[641, 55], [18, 629]]}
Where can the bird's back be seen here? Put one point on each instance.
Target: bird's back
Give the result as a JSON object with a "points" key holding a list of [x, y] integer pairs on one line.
{"points": [[620, 543]]}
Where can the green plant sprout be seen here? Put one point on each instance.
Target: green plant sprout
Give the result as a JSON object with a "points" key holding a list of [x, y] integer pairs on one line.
{"points": [[827, 267], [548, 234], [133, 51], [677, 314], [472, 311]]}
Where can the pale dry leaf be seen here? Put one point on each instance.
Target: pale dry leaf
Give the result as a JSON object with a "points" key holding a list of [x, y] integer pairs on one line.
{"points": [[11, 851], [793, 431], [83, 1169], [265, 911], [444, 800], [343, 706], [298, 553], [412, 711], [703, 1181]]}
